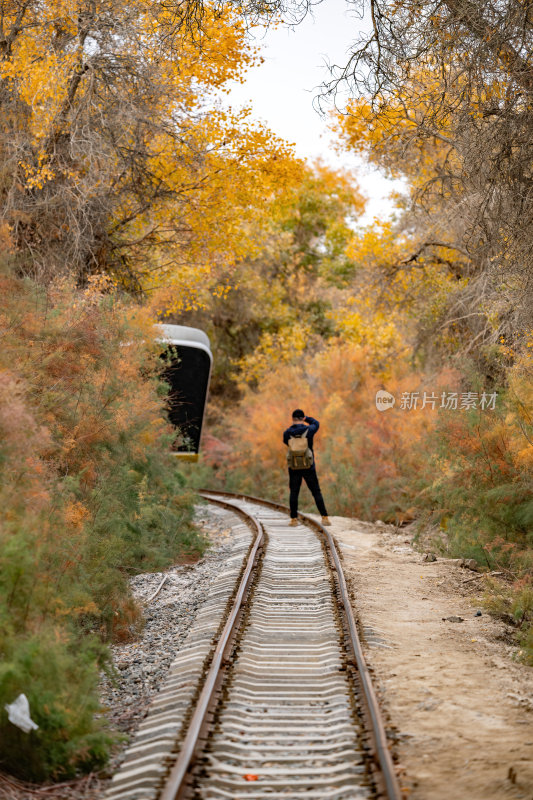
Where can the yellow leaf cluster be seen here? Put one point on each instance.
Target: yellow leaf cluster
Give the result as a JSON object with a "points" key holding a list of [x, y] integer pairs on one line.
{"points": [[283, 347]]}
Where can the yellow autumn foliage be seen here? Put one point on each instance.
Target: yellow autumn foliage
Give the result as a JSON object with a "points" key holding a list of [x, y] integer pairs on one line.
{"points": [[124, 158]]}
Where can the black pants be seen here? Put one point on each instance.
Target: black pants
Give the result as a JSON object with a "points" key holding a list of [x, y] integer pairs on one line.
{"points": [[311, 479]]}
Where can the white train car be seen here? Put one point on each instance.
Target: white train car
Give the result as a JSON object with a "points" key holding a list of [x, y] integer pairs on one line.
{"points": [[189, 361]]}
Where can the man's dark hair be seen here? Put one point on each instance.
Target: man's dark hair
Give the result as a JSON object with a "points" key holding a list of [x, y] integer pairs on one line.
{"points": [[298, 414]]}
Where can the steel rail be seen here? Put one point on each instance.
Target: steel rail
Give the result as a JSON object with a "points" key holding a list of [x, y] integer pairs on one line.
{"points": [[176, 778], [378, 733]]}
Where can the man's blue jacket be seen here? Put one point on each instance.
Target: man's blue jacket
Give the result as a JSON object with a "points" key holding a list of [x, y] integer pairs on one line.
{"points": [[298, 428]]}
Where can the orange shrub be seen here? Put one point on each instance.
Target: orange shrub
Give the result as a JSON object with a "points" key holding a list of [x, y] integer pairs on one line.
{"points": [[467, 471], [89, 492], [368, 461]]}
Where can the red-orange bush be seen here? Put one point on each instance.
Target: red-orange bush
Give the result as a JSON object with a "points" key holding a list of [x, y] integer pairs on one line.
{"points": [[369, 461], [88, 493]]}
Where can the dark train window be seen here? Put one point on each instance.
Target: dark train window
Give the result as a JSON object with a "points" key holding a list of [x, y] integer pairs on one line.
{"points": [[187, 370]]}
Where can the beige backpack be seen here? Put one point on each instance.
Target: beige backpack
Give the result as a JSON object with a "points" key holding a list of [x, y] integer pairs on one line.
{"points": [[299, 454]]}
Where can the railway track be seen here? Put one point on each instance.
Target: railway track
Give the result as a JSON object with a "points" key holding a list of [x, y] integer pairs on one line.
{"points": [[285, 707]]}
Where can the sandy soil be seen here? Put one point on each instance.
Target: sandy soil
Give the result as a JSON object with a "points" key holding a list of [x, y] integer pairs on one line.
{"points": [[460, 707]]}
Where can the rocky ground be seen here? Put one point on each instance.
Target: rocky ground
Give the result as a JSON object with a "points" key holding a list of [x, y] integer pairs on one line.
{"points": [[142, 664]]}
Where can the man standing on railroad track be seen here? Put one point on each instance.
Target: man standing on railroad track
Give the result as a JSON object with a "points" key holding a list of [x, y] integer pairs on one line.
{"points": [[301, 461]]}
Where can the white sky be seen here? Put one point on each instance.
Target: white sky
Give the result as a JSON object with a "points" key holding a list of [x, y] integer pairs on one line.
{"points": [[282, 89]]}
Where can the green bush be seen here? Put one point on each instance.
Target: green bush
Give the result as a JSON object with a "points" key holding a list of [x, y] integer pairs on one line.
{"points": [[58, 671]]}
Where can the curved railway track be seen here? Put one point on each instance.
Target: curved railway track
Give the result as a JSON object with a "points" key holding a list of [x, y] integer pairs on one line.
{"points": [[286, 707]]}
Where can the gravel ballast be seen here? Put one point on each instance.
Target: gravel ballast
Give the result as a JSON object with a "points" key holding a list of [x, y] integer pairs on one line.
{"points": [[142, 665]]}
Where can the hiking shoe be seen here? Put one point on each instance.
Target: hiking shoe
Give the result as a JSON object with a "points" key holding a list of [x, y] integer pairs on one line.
{"points": [[325, 521], [293, 523]]}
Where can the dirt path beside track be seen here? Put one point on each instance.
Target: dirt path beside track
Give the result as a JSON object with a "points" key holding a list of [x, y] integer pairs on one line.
{"points": [[462, 709]]}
